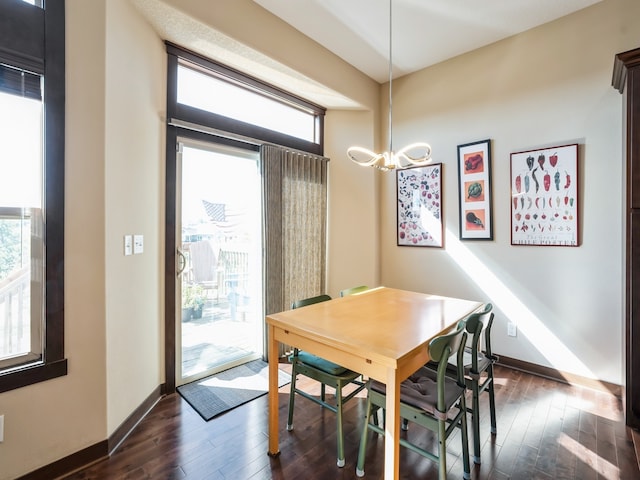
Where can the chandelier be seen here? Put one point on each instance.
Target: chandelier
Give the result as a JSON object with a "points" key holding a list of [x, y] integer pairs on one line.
{"points": [[413, 155]]}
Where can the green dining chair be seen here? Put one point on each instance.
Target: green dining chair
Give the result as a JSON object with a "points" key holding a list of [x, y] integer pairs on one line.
{"points": [[353, 290], [478, 370], [431, 399], [328, 374]]}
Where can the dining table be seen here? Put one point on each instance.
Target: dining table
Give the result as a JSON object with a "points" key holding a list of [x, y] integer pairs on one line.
{"points": [[382, 333]]}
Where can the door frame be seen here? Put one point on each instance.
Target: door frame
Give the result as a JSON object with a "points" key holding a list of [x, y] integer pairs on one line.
{"points": [[170, 257]]}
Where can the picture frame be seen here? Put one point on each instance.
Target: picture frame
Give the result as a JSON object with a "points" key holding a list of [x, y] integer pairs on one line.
{"points": [[474, 190], [544, 197], [419, 193]]}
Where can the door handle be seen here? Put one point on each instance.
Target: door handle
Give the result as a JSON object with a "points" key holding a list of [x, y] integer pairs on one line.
{"points": [[182, 262]]}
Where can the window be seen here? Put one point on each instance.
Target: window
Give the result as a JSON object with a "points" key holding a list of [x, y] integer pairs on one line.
{"points": [[31, 192], [223, 97], [234, 105], [21, 281]]}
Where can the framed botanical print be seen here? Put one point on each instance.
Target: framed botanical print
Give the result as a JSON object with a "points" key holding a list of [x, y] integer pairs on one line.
{"points": [[474, 176], [419, 192], [544, 197]]}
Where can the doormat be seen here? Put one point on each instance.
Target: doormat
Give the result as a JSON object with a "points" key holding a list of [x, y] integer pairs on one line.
{"points": [[219, 393]]}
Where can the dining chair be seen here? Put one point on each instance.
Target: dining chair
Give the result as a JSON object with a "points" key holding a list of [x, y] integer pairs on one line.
{"points": [[353, 290], [478, 370], [328, 374], [431, 399]]}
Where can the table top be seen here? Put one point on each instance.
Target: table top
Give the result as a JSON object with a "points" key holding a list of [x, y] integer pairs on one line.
{"points": [[383, 324]]}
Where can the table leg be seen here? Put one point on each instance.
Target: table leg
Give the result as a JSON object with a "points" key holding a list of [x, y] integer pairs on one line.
{"points": [[392, 428], [274, 449]]}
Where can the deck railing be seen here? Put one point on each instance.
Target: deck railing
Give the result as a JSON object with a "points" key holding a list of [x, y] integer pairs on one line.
{"points": [[14, 313]]}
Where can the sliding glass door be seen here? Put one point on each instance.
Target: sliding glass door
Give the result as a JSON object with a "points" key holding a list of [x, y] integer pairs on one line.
{"points": [[219, 317]]}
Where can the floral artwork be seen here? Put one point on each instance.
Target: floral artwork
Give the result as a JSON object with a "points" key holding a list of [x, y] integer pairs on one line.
{"points": [[420, 206], [544, 197], [474, 176]]}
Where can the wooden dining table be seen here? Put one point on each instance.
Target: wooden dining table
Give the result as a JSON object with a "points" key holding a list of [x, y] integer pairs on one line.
{"points": [[381, 333]]}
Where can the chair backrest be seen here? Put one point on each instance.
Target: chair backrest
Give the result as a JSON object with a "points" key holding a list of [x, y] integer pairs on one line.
{"points": [[475, 324], [444, 346], [441, 349], [310, 301], [353, 290]]}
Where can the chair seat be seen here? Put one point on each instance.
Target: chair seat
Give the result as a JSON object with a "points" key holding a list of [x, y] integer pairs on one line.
{"points": [[483, 361], [320, 363], [420, 390]]}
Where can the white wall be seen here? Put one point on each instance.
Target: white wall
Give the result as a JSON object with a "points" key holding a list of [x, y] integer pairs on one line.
{"points": [[353, 204], [134, 204], [548, 86]]}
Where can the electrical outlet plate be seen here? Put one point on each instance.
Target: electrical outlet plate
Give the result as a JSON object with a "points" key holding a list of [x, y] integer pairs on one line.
{"points": [[138, 244], [511, 329]]}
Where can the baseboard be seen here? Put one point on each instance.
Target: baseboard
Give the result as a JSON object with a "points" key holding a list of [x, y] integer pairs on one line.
{"points": [[98, 451], [560, 376], [68, 464], [118, 436], [635, 436]]}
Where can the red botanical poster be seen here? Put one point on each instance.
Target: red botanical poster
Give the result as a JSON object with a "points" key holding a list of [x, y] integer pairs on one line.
{"points": [[544, 197]]}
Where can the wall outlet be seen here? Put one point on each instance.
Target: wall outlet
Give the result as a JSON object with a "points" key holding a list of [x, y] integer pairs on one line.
{"points": [[1, 428], [512, 330], [138, 244]]}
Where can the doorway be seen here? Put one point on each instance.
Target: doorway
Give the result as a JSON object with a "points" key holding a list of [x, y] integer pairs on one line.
{"points": [[219, 308]]}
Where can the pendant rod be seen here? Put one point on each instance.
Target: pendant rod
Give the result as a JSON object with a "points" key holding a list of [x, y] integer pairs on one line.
{"points": [[390, 79]]}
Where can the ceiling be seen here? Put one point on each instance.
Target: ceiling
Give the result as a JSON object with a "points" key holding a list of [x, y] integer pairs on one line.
{"points": [[425, 32]]}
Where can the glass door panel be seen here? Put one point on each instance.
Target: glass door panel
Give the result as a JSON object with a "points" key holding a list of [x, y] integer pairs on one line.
{"points": [[220, 258]]}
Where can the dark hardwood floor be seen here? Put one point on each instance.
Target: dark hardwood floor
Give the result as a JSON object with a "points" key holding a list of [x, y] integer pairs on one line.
{"points": [[546, 430]]}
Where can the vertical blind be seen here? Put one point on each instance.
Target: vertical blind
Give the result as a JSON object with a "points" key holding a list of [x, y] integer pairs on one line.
{"points": [[295, 206]]}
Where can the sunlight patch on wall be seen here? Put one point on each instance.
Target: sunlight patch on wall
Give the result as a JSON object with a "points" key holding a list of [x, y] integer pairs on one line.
{"points": [[502, 297]]}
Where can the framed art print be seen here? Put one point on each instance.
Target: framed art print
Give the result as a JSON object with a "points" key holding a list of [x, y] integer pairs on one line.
{"points": [[420, 206], [474, 177], [544, 197]]}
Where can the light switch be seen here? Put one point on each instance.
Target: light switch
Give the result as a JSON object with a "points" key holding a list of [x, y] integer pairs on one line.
{"points": [[128, 245], [138, 244]]}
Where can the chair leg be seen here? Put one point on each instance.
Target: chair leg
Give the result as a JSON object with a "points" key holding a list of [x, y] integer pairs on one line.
{"points": [[339, 432], [492, 401], [465, 439], [442, 450], [292, 394], [475, 417], [363, 439]]}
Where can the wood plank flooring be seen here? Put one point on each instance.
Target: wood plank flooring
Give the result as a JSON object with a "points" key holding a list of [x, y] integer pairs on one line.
{"points": [[546, 430]]}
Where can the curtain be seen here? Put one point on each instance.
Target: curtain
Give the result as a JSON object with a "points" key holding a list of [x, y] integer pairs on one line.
{"points": [[295, 206]]}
